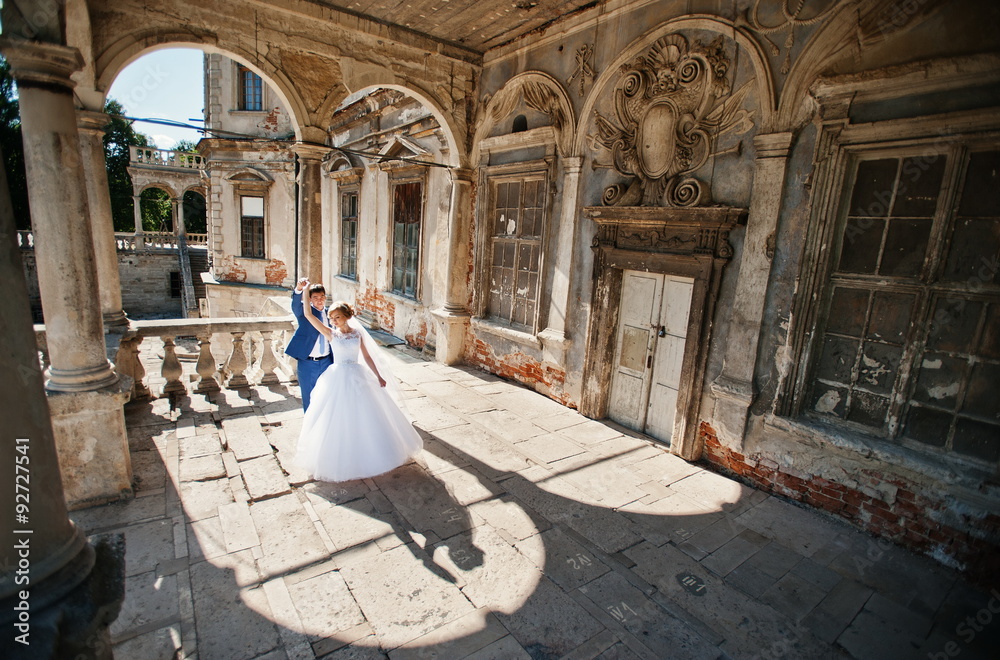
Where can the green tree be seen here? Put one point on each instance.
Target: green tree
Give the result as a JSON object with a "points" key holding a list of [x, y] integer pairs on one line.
{"points": [[187, 146], [156, 210], [118, 137], [13, 149]]}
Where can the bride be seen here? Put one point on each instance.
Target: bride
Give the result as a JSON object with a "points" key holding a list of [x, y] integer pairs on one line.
{"points": [[353, 428]]}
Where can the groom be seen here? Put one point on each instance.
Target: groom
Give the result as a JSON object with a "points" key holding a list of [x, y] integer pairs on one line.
{"points": [[310, 349]]}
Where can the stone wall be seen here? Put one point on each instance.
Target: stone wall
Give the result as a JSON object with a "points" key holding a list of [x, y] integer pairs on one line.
{"points": [[145, 281]]}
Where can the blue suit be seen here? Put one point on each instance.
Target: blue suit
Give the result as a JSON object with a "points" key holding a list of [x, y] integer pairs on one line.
{"points": [[301, 345]]}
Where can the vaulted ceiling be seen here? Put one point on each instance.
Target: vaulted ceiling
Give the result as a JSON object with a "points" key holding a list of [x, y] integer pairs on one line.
{"points": [[477, 25]]}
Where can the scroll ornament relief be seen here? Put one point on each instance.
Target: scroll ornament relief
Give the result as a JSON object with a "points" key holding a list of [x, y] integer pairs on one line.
{"points": [[671, 105]]}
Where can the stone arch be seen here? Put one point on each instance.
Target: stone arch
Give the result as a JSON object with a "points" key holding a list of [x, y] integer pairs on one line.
{"points": [[161, 185], [131, 47], [456, 152], [764, 86], [547, 95]]}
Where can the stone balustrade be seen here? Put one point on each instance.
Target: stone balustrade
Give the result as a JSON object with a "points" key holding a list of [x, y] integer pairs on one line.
{"points": [[131, 242], [165, 158], [25, 239], [252, 348]]}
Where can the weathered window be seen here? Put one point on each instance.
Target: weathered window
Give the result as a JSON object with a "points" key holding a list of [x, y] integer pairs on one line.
{"points": [[910, 345], [349, 234], [252, 226], [251, 89], [407, 202], [515, 249]]}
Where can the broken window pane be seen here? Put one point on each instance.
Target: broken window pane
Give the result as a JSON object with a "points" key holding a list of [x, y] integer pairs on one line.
{"points": [[829, 400], [837, 360], [877, 370], [939, 380], [890, 319], [868, 409]]}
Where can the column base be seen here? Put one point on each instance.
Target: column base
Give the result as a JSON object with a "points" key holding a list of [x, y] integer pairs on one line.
{"points": [[70, 613], [452, 327], [80, 380], [732, 410], [89, 430], [115, 321]]}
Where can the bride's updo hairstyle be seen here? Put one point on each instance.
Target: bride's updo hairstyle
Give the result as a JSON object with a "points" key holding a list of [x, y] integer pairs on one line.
{"points": [[343, 307]]}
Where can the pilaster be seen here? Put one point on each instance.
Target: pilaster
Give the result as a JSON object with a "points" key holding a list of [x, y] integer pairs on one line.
{"points": [[453, 317]]}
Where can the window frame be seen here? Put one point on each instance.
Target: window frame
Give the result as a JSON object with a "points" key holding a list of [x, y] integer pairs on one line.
{"points": [[395, 182], [523, 172], [259, 232], [243, 74], [354, 192], [819, 278]]}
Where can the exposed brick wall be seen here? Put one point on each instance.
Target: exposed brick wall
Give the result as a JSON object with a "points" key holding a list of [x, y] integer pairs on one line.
{"points": [[371, 300], [520, 367], [909, 520], [275, 272]]}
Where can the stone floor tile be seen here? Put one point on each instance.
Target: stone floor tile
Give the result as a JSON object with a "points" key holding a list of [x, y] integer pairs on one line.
{"points": [[560, 421], [508, 517], [505, 648], [467, 485], [819, 576], [201, 468], [612, 485], [562, 559], [548, 448], [116, 514], [664, 635], [232, 623], [325, 605], [713, 491], [424, 503], [746, 625], [623, 448], [466, 637], [527, 404], [714, 536], [148, 438], [594, 647], [794, 527], [490, 455], [202, 499], [431, 416], [549, 622], [245, 437], [366, 648], [288, 538], [148, 472], [833, 614], [590, 432], [352, 523], [676, 518], [506, 425], [962, 615], [400, 598], [160, 644], [205, 539], [149, 600], [883, 630], [617, 652], [199, 445], [148, 544], [793, 596], [456, 396], [264, 478], [733, 553], [337, 493], [768, 565], [238, 530]]}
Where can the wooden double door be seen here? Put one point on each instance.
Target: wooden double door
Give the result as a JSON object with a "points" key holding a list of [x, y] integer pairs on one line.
{"points": [[649, 354]]}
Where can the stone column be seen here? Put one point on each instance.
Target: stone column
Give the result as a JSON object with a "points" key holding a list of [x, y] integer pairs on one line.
{"points": [[48, 572], [91, 128], [64, 247], [137, 212], [310, 220], [553, 337], [179, 227], [733, 388], [86, 395], [453, 317]]}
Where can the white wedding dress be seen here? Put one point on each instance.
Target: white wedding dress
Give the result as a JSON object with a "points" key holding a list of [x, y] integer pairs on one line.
{"points": [[353, 428]]}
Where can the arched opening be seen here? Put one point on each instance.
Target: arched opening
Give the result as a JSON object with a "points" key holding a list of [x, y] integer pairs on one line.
{"points": [[155, 210], [195, 213]]}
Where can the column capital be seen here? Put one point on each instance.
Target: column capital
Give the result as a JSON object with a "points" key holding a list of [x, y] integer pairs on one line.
{"points": [[91, 121], [461, 175], [773, 145], [310, 152], [573, 164], [41, 63]]}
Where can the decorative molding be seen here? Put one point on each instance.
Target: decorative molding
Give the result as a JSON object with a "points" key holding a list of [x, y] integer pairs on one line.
{"points": [[672, 103], [790, 19], [584, 71]]}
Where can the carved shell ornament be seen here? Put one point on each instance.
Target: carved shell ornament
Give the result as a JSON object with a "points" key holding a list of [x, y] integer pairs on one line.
{"points": [[671, 104]]}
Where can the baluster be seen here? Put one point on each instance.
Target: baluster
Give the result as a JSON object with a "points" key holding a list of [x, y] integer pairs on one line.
{"points": [[206, 366], [237, 364], [129, 363], [268, 359], [172, 369]]}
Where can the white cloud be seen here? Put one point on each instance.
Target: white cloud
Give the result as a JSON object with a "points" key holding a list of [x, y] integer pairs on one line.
{"points": [[164, 141]]}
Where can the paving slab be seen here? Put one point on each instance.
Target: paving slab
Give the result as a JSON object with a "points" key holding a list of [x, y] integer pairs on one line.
{"points": [[884, 629], [245, 437], [424, 502], [734, 552], [485, 451], [400, 598], [467, 636], [548, 448], [199, 445], [507, 425], [563, 560], [664, 635], [352, 523], [288, 539], [148, 543], [238, 531], [149, 599], [160, 644], [837, 609], [456, 396], [325, 605], [232, 623], [768, 565], [264, 478], [509, 518], [202, 499], [794, 527]]}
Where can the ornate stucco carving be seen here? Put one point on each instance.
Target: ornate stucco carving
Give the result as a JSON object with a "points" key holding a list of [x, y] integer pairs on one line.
{"points": [[789, 18], [584, 72], [671, 104]]}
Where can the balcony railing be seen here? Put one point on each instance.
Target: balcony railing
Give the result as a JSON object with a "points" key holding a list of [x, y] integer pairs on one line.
{"points": [[129, 241], [165, 158], [251, 352]]}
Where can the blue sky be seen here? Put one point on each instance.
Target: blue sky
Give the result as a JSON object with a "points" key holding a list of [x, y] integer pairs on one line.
{"points": [[165, 84]]}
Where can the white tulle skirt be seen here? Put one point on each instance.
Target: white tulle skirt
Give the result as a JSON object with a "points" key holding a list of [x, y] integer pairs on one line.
{"points": [[353, 429]]}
